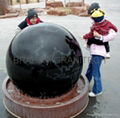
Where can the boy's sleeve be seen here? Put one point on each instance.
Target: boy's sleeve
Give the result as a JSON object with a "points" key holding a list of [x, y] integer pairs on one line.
{"points": [[22, 25]]}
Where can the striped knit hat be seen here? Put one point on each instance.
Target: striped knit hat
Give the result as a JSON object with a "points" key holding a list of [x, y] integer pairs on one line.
{"points": [[32, 13]]}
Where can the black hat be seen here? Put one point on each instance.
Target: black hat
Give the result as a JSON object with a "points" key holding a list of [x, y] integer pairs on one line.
{"points": [[92, 7], [32, 13]]}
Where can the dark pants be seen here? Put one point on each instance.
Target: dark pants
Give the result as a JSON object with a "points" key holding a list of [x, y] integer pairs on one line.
{"points": [[99, 42]]}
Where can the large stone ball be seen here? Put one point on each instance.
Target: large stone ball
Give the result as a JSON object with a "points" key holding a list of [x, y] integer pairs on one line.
{"points": [[44, 60]]}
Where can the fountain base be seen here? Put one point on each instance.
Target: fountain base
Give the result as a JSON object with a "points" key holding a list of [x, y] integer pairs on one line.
{"points": [[67, 105]]}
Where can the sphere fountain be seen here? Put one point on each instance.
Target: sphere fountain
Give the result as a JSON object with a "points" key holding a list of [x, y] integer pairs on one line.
{"points": [[44, 64]]}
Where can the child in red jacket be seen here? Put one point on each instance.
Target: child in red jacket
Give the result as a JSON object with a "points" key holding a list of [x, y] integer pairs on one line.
{"points": [[31, 19], [100, 27]]}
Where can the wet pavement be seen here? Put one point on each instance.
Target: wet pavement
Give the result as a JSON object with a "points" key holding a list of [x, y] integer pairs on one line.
{"points": [[104, 106]]}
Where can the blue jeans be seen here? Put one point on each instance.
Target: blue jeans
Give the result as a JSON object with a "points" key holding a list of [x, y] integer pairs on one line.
{"points": [[94, 71]]}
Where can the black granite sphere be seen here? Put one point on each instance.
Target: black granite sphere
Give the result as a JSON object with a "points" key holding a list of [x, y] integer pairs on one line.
{"points": [[44, 60]]}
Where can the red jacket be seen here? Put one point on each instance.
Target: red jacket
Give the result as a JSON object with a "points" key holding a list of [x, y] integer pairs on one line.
{"points": [[102, 28]]}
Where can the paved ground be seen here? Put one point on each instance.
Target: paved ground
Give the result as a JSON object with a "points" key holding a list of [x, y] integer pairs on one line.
{"points": [[105, 106]]}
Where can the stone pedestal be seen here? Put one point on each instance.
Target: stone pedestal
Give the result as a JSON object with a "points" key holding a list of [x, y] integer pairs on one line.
{"points": [[67, 105]]}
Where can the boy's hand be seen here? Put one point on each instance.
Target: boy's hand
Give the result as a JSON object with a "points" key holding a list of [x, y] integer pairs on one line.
{"points": [[96, 34]]}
